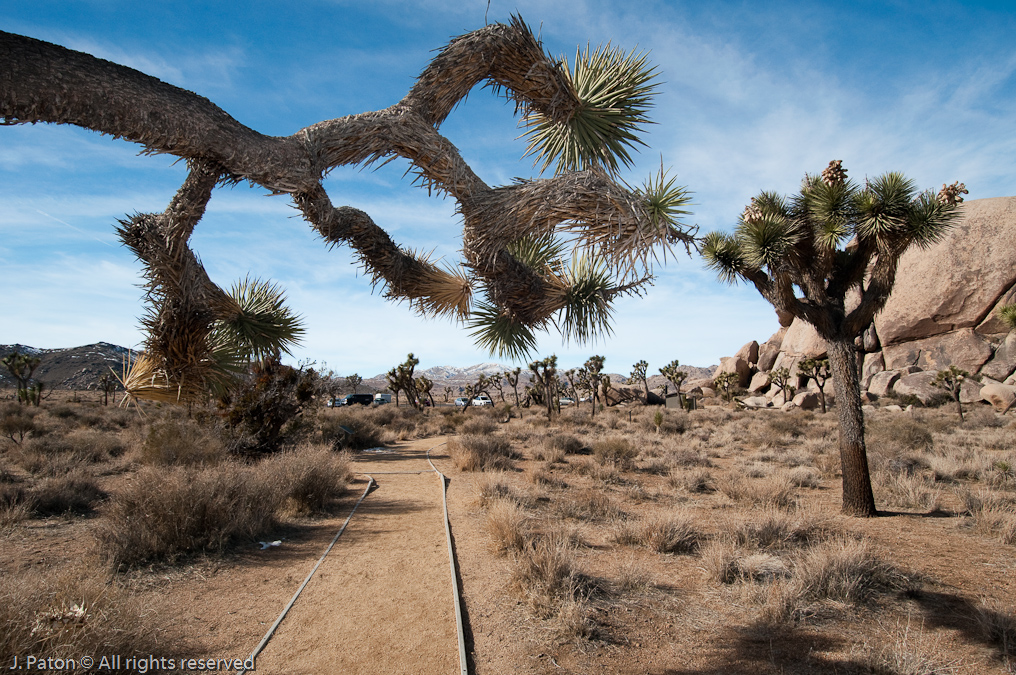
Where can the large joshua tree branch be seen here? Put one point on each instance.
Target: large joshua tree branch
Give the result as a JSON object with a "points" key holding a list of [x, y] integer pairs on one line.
{"points": [[41, 82]]}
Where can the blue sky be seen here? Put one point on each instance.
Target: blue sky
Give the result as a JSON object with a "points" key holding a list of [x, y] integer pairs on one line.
{"points": [[751, 99]]}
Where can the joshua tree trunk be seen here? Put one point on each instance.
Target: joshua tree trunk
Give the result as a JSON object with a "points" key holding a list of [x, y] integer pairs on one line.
{"points": [[858, 499]]}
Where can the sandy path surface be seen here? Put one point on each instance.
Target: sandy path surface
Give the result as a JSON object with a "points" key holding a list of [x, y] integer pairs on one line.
{"points": [[381, 602]]}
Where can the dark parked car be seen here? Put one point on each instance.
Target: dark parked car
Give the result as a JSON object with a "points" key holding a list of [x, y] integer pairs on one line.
{"points": [[362, 399]]}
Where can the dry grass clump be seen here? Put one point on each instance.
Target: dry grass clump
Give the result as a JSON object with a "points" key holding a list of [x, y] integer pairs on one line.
{"points": [[997, 623], [774, 529], [313, 477], [607, 474], [543, 475], [897, 436], [71, 615], [663, 533], [905, 490], [696, 480], [482, 453], [350, 430], [590, 504], [805, 476], [615, 451], [479, 425], [494, 486], [73, 492], [775, 490], [992, 514], [545, 574], [507, 525], [848, 570], [180, 441]]}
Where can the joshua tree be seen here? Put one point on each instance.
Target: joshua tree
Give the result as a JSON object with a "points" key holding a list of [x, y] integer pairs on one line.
{"points": [[544, 379], [818, 370], [605, 382], [447, 394], [394, 383], [107, 384], [516, 276], [21, 367], [638, 374], [424, 385], [832, 239], [726, 382], [512, 378], [354, 381], [400, 378], [781, 378], [952, 382], [497, 381], [671, 372], [593, 368]]}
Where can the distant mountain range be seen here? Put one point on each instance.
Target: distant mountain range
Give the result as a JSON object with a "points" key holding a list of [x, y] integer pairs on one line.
{"points": [[81, 368]]}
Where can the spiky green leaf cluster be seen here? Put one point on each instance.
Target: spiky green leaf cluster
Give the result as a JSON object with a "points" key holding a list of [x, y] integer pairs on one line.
{"points": [[1008, 316], [615, 90], [500, 334], [264, 325]]}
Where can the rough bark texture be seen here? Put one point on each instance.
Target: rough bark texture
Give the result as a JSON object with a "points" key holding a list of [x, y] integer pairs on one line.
{"points": [[858, 499]]}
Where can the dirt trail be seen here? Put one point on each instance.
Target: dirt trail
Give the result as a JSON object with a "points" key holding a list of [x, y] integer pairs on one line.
{"points": [[381, 602]]}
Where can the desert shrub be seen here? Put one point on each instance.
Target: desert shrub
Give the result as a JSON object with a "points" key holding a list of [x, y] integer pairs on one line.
{"points": [[73, 492], [55, 454], [590, 505], [264, 412], [12, 515], [311, 477], [669, 533], [996, 621], [695, 480], [71, 614], [479, 425], [616, 451], [725, 563], [544, 476], [774, 529], [546, 452], [63, 412], [983, 418], [482, 453], [347, 430], [544, 574], [506, 524], [992, 515], [804, 476], [848, 570], [180, 441], [494, 486], [774, 490], [164, 513], [566, 443], [17, 422], [905, 490], [897, 435], [687, 457]]}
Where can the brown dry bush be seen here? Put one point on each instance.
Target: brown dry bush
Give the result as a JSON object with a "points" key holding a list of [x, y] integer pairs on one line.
{"points": [[896, 436], [73, 492], [997, 623], [482, 453], [312, 476], [507, 525], [663, 533], [180, 441], [545, 574], [774, 529], [58, 453], [590, 504], [805, 476], [479, 425], [992, 514], [495, 486], [615, 451], [71, 615], [695, 480], [163, 513], [905, 490], [774, 490], [349, 430], [848, 570]]}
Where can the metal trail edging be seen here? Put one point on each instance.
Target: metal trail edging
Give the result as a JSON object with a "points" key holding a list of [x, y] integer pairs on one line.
{"points": [[463, 663], [271, 631]]}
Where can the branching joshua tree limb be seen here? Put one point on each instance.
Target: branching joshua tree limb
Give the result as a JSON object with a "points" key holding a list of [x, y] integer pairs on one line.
{"points": [[818, 370], [638, 374], [805, 255], [582, 119], [672, 371]]}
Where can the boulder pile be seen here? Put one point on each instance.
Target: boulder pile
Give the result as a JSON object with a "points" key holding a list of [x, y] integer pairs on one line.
{"points": [[943, 312]]}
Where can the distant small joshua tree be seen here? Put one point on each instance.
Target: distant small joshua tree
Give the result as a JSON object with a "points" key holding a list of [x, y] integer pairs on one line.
{"points": [[354, 381], [952, 382], [638, 374], [818, 370], [672, 372], [726, 382]]}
